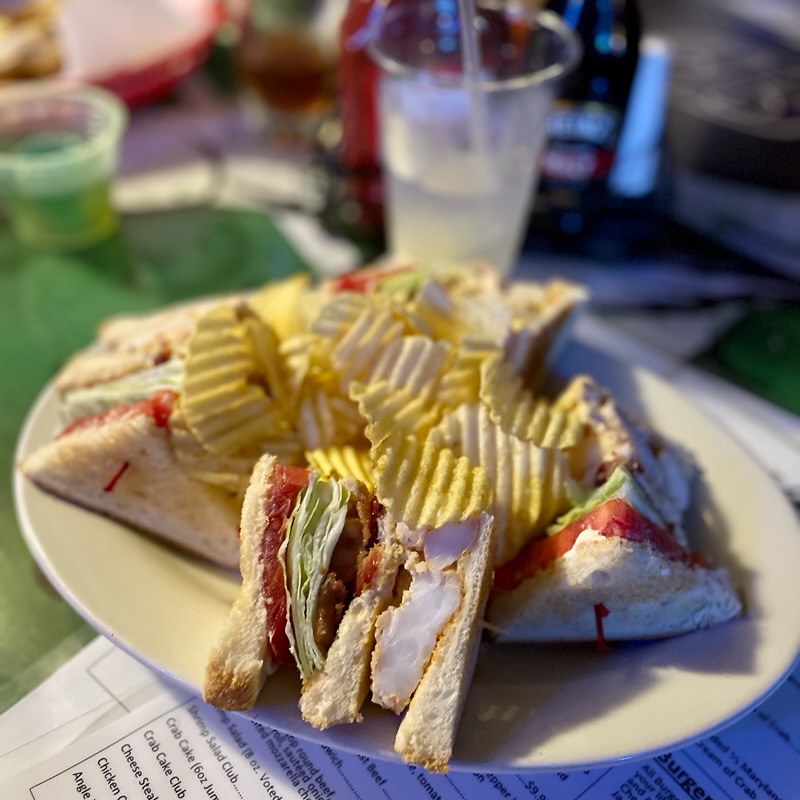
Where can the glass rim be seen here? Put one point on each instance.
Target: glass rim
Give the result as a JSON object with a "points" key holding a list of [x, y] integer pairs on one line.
{"points": [[94, 97], [545, 19]]}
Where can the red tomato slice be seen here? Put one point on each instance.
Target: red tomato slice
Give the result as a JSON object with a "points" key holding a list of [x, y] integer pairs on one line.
{"points": [[364, 281], [158, 406], [287, 481], [615, 517]]}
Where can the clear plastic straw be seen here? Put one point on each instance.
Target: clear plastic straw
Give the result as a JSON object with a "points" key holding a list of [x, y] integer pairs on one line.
{"points": [[471, 61]]}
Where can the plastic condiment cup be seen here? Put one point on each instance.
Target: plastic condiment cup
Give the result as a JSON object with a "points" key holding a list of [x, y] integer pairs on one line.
{"points": [[59, 147]]}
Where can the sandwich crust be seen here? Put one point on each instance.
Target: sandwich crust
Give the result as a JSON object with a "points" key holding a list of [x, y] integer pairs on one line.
{"points": [[126, 469], [427, 732], [240, 659], [647, 595], [336, 693]]}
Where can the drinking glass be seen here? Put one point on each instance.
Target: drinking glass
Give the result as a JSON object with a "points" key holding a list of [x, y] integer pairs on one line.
{"points": [[286, 62], [462, 113]]}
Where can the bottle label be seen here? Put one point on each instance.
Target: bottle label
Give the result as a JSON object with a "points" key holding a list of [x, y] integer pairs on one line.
{"points": [[581, 142]]}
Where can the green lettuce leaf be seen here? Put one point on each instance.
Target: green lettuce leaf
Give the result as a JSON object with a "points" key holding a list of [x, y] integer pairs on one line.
{"points": [[312, 532], [406, 283], [126, 390], [620, 484]]}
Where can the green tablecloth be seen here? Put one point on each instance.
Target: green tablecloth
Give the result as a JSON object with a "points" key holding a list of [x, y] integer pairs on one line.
{"points": [[50, 306]]}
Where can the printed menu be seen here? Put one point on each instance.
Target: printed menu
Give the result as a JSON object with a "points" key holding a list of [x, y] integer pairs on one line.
{"points": [[175, 747]]}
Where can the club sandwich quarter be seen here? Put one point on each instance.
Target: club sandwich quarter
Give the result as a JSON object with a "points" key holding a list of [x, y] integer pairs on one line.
{"points": [[330, 589]]}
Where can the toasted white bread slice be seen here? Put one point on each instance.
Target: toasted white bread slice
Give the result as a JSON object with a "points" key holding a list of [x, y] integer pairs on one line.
{"points": [[646, 594], [662, 470], [427, 733], [241, 660], [125, 468], [545, 315], [336, 693], [127, 343]]}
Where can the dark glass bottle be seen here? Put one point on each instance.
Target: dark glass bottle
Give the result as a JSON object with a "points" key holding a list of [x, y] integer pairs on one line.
{"points": [[586, 119]]}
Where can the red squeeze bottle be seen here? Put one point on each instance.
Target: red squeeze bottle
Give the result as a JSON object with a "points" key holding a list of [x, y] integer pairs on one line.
{"points": [[357, 83], [358, 76]]}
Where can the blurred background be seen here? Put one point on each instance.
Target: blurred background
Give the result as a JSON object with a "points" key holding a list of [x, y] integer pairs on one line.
{"points": [[672, 177], [723, 112], [733, 123], [671, 180]]}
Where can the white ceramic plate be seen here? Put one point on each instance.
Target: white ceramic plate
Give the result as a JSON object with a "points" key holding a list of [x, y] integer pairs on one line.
{"points": [[529, 707]]}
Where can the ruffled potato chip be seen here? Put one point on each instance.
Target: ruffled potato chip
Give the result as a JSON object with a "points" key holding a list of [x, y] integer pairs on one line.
{"points": [[343, 462], [415, 363], [510, 403], [433, 313], [461, 383], [225, 397], [298, 354], [518, 411], [386, 411], [564, 429], [339, 314], [286, 305], [326, 419], [355, 354], [426, 486], [269, 363], [229, 473], [543, 315], [529, 483]]}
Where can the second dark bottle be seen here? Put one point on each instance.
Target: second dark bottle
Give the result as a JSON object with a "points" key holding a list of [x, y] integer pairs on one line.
{"points": [[585, 122]]}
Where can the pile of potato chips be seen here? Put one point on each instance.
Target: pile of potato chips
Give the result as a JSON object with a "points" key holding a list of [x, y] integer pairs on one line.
{"points": [[425, 388]]}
